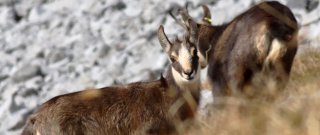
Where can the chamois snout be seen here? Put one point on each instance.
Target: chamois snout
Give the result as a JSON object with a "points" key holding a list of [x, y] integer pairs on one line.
{"points": [[189, 74]]}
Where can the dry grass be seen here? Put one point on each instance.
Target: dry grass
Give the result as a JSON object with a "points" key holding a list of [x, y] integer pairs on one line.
{"points": [[295, 112]]}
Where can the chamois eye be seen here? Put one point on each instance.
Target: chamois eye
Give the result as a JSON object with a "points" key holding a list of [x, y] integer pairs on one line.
{"points": [[173, 58]]}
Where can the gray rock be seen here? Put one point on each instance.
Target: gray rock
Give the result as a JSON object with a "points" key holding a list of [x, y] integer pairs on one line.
{"points": [[5, 2], [134, 9], [300, 4], [26, 72], [37, 14], [104, 50], [6, 17], [119, 6], [24, 6], [311, 5], [56, 55], [3, 77]]}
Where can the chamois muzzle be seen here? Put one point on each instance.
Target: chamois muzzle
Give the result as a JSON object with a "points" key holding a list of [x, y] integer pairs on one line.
{"points": [[189, 75]]}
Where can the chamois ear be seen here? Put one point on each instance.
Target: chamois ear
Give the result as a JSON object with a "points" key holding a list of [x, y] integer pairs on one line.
{"points": [[193, 29], [164, 41], [206, 19]]}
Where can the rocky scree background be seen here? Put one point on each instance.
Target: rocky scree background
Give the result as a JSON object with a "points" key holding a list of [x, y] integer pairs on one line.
{"points": [[52, 47]]}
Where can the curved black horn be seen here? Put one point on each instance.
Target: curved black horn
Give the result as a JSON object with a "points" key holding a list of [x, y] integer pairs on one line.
{"points": [[184, 15], [177, 20], [206, 19], [193, 31]]}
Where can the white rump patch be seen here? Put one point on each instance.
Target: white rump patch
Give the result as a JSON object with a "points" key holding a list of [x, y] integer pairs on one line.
{"points": [[278, 49]]}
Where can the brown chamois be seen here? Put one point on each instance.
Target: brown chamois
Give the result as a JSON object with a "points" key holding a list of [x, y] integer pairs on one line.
{"points": [[252, 54], [153, 107]]}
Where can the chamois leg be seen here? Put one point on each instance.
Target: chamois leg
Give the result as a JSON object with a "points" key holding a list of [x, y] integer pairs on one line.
{"points": [[236, 78]]}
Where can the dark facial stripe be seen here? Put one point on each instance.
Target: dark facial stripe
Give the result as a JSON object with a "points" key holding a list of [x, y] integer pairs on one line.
{"points": [[195, 61], [176, 65]]}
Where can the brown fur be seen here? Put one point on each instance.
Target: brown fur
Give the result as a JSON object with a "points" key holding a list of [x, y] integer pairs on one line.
{"points": [[259, 44], [154, 107]]}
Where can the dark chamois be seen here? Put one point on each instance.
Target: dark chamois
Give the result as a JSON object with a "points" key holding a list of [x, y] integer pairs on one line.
{"points": [[252, 54], [155, 107]]}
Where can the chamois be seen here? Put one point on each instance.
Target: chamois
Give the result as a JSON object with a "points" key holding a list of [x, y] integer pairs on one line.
{"points": [[252, 54], [153, 107]]}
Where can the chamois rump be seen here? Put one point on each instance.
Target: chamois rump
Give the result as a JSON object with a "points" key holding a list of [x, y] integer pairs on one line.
{"points": [[252, 54], [155, 107]]}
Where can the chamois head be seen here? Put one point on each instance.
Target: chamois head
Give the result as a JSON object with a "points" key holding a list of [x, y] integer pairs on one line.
{"points": [[182, 53]]}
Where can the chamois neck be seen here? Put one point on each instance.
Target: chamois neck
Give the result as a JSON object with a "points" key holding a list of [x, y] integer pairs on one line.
{"points": [[208, 37], [217, 30]]}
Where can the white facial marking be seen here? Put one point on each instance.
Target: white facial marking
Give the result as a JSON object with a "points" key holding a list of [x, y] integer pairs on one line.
{"points": [[184, 59]]}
